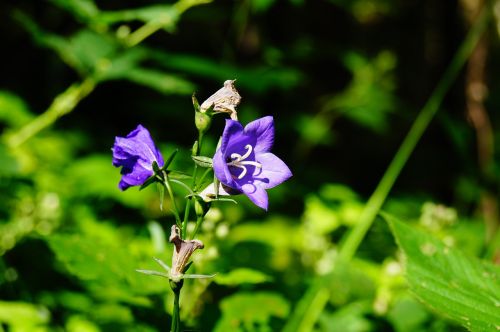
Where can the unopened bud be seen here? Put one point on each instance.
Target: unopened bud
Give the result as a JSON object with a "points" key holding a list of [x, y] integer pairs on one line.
{"points": [[201, 207], [202, 121]]}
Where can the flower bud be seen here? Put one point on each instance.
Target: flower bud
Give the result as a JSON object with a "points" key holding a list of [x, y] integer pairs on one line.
{"points": [[202, 121], [201, 207]]}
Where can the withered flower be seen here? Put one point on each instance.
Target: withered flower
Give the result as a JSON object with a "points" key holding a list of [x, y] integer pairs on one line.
{"points": [[182, 252], [225, 100]]}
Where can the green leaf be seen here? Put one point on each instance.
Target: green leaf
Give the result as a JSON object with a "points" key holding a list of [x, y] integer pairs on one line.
{"points": [[256, 79], [150, 180], [203, 161], [170, 159], [160, 81], [242, 276], [13, 110], [166, 14], [349, 318], [23, 314], [462, 288], [247, 309], [8, 164], [106, 266], [85, 10]]}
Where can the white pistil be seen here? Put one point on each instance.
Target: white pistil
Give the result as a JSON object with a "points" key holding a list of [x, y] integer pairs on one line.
{"points": [[239, 161]]}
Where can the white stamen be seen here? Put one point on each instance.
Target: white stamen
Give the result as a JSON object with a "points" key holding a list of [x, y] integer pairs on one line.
{"points": [[240, 162]]}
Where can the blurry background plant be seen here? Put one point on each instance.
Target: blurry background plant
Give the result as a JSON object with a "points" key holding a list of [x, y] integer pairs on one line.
{"points": [[344, 85]]}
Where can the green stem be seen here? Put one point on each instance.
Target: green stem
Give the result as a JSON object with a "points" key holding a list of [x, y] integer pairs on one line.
{"points": [[186, 218], [355, 237], [203, 176], [172, 198], [199, 221], [196, 153], [167, 20], [63, 104], [176, 317]]}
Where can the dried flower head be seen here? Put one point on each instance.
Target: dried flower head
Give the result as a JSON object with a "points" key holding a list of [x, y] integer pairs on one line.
{"points": [[182, 252], [225, 100]]}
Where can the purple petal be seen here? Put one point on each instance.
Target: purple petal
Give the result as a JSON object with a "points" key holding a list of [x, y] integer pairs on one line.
{"points": [[257, 195], [135, 153], [221, 169], [231, 129], [273, 172], [263, 130], [137, 143], [137, 175]]}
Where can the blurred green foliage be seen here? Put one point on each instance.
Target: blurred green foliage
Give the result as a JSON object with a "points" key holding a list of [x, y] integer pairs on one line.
{"points": [[343, 80]]}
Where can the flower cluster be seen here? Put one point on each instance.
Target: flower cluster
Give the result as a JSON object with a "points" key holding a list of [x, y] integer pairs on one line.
{"points": [[243, 162]]}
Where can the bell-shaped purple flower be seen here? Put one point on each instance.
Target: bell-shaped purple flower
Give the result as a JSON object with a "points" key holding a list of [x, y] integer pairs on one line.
{"points": [[243, 161], [135, 154]]}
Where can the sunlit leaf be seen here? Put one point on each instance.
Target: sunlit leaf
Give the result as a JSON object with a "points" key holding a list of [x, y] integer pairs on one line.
{"points": [[13, 110], [459, 287], [24, 314]]}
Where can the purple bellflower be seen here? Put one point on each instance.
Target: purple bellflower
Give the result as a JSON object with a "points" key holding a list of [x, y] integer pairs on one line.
{"points": [[135, 154], [243, 161]]}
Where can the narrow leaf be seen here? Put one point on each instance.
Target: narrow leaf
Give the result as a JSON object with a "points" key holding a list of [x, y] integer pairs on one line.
{"points": [[153, 273], [203, 161], [170, 159]]}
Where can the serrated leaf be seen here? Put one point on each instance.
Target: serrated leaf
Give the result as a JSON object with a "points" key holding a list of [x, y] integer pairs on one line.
{"points": [[104, 266], [461, 288], [203, 161], [242, 276]]}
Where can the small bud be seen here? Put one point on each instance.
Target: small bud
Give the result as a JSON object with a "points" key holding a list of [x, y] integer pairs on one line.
{"points": [[213, 193], [201, 207], [194, 149], [202, 121], [225, 100]]}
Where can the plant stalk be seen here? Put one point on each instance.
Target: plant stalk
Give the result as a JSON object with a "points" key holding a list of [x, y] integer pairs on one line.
{"points": [[166, 182], [176, 317], [372, 207], [351, 244], [63, 104]]}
